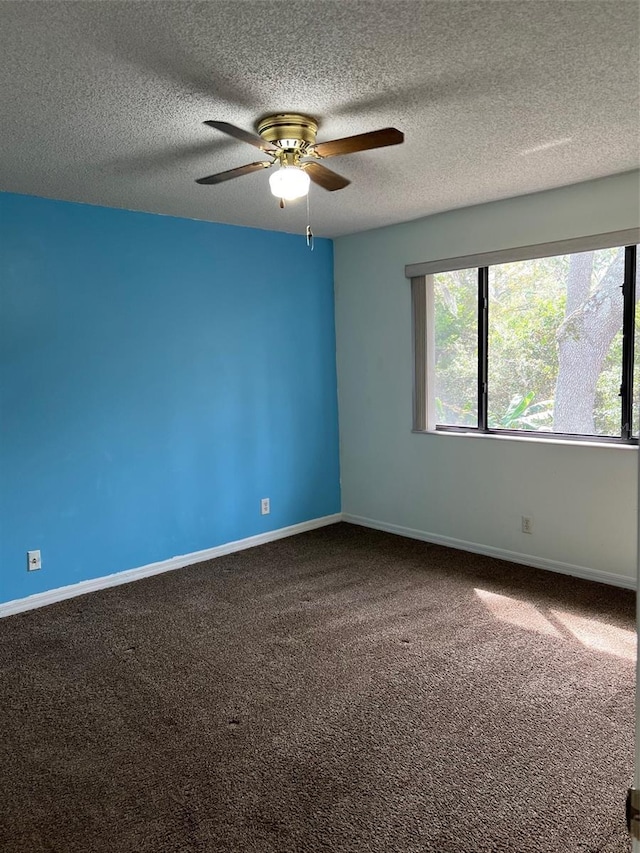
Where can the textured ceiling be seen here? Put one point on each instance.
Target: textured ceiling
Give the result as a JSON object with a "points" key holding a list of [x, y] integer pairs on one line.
{"points": [[103, 102]]}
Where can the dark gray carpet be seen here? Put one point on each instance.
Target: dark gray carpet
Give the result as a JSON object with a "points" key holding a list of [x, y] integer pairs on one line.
{"points": [[342, 690]]}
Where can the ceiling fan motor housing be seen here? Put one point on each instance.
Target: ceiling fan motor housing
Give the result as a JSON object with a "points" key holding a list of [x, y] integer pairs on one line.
{"points": [[289, 130]]}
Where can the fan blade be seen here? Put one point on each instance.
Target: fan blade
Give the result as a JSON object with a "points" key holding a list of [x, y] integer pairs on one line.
{"points": [[242, 135], [324, 177], [234, 173], [360, 142]]}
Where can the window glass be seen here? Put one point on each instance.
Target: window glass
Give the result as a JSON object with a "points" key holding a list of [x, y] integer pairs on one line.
{"points": [[455, 297], [555, 344]]}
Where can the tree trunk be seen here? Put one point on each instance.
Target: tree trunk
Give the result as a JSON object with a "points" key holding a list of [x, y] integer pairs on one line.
{"points": [[584, 339]]}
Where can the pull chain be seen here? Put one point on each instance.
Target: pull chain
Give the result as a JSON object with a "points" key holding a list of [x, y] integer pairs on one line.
{"points": [[309, 231]]}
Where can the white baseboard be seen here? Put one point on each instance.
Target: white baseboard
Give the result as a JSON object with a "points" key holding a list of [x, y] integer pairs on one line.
{"points": [[499, 553], [41, 599], [61, 593]]}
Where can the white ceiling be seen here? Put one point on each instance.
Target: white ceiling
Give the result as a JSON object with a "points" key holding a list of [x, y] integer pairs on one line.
{"points": [[103, 102]]}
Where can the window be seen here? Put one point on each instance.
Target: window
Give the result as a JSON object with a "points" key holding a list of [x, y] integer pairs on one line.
{"points": [[521, 345]]}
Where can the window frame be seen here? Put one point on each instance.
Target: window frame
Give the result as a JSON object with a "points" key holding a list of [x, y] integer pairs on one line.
{"points": [[422, 297]]}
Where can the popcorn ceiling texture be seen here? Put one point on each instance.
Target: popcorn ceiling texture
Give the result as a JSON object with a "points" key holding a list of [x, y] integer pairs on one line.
{"points": [[104, 102]]}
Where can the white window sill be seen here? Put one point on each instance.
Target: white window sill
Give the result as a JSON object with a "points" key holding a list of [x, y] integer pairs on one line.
{"points": [[528, 439]]}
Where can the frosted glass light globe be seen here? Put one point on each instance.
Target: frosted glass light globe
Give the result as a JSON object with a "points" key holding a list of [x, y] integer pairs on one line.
{"points": [[289, 183]]}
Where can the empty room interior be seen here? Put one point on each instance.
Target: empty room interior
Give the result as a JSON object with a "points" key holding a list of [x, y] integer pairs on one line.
{"points": [[319, 417]]}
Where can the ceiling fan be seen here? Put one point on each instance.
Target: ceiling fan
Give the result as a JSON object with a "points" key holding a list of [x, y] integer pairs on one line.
{"points": [[289, 139]]}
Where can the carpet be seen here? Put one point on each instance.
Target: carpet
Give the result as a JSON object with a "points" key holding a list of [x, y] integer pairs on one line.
{"points": [[341, 690]]}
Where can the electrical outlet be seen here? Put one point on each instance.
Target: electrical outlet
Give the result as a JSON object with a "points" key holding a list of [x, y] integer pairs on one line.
{"points": [[527, 524], [265, 506], [34, 562]]}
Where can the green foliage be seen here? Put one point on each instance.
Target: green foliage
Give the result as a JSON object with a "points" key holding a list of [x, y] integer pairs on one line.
{"points": [[456, 347], [607, 411], [527, 302], [523, 413]]}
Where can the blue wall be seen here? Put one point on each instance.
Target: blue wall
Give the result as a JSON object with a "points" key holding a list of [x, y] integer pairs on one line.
{"points": [[158, 376]]}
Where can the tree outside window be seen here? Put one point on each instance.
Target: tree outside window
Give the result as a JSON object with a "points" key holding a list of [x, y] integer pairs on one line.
{"points": [[554, 346]]}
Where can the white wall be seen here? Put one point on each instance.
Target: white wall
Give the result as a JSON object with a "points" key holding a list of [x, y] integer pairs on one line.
{"points": [[472, 491]]}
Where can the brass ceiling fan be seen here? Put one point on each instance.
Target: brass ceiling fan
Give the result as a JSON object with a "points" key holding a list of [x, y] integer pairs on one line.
{"points": [[289, 139]]}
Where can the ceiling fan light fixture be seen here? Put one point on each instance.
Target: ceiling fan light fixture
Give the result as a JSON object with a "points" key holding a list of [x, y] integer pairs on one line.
{"points": [[289, 139], [289, 183]]}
